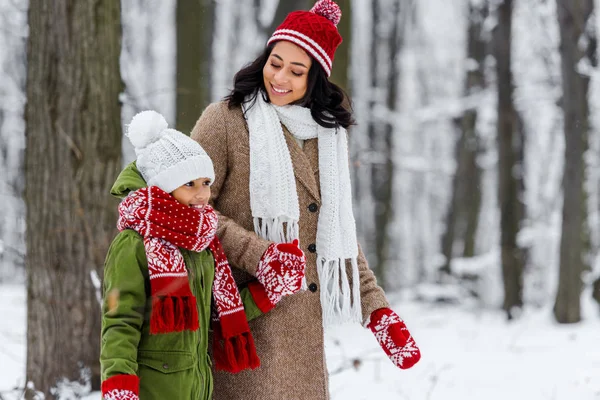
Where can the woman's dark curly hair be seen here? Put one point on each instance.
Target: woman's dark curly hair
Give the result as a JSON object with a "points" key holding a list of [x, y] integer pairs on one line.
{"points": [[329, 104]]}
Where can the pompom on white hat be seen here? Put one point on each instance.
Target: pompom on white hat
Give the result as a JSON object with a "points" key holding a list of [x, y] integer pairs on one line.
{"points": [[165, 157]]}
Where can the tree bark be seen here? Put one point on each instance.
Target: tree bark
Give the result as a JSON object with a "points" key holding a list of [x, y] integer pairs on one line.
{"points": [[194, 57], [596, 290], [576, 28], [510, 165], [463, 214], [341, 64], [73, 155], [387, 41], [283, 9]]}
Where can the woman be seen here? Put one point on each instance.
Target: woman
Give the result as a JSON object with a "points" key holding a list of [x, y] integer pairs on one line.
{"points": [[280, 153]]}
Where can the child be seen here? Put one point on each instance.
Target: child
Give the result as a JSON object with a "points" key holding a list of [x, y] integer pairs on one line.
{"points": [[163, 269]]}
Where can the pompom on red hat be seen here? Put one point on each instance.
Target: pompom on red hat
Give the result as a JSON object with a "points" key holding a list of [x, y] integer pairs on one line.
{"points": [[315, 31]]}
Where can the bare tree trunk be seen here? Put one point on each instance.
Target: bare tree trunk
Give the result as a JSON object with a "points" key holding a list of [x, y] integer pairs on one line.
{"points": [[387, 41], [596, 290], [463, 215], [194, 57], [359, 141], [73, 155], [510, 163], [341, 65], [576, 22], [283, 9]]}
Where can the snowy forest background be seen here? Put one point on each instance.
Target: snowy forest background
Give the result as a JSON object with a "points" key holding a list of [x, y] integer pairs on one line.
{"points": [[474, 194]]}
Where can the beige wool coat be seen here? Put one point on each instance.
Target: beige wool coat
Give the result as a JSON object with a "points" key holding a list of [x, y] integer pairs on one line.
{"points": [[289, 339]]}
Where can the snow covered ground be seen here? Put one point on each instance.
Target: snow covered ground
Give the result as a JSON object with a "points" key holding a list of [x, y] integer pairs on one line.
{"points": [[467, 354]]}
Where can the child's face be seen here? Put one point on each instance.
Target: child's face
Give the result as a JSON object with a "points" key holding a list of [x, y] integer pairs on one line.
{"points": [[194, 194]]}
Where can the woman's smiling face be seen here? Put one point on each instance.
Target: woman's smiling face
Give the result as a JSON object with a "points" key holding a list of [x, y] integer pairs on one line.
{"points": [[286, 73]]}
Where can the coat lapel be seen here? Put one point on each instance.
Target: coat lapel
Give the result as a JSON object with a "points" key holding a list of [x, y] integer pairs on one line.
{"points": [[305, 163], [311, 151]]}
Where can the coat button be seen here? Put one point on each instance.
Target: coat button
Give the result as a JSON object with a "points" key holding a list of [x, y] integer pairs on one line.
{"points": [[165, 366], [312, 248], [312, 287], [312, 207]]}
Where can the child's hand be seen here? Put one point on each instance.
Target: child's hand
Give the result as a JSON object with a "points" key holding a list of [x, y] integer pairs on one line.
{"points": [[280, 273], [121, 387], [394, 338]]}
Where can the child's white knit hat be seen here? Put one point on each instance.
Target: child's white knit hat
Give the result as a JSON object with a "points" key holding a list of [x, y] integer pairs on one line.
{"points": [[165, 157]]}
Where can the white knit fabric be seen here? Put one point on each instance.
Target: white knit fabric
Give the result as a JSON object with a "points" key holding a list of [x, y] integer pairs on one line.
{"points": [[274, 200], [165, 157]]}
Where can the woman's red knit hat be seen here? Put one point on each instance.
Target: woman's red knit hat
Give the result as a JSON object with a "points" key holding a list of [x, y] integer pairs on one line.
{"points": [[315, 31]]}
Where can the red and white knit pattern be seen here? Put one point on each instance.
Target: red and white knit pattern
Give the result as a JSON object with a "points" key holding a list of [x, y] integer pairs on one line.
{"points": [[120, 394], [329, 10], [167, 225], [187, 227], [315, 31], [304, 41], [394, 338], [121, 387], [226, 300], [281, 273]]}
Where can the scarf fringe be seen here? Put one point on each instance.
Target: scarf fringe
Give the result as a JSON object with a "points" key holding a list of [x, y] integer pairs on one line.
{"points": [[173, 314], [340, 302], [234, 354], [274, 196], [273, 229]]}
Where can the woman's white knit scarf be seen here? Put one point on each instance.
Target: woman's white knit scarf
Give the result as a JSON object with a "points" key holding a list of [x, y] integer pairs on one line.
{"points": [[274, 200]]}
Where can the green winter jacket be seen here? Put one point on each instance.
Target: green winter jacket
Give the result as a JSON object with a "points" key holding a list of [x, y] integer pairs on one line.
{"points": [[170, 366]]}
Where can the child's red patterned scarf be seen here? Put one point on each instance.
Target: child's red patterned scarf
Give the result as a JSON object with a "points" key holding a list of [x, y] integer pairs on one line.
{"points": [[166, 225]]}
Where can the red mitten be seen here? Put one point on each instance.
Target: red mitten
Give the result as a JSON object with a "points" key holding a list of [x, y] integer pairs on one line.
{"points": [[121, 387], [280, 273], [394, 338]]}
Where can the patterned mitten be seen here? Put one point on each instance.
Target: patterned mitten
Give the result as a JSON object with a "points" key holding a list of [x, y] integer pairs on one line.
{"points": [[394, 338], [121, 387], [280, 273]]}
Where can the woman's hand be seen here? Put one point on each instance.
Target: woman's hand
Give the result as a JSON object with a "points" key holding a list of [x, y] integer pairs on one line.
{"points": [[394, 338]]}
